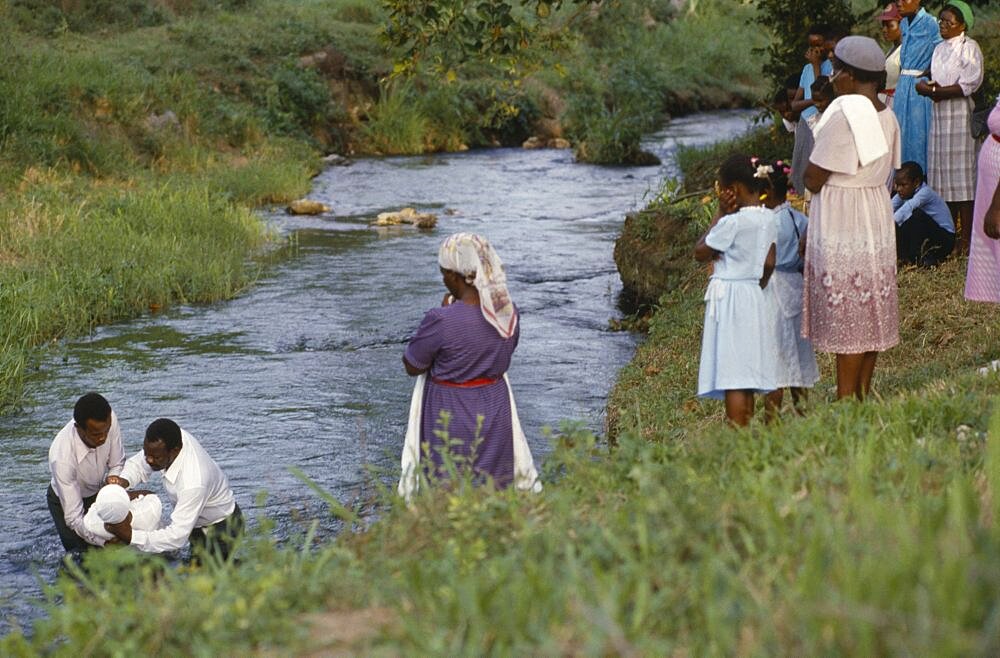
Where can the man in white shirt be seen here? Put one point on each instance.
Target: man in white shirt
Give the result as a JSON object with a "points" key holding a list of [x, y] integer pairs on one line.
{"points": [[205, 510], [85, 455]]}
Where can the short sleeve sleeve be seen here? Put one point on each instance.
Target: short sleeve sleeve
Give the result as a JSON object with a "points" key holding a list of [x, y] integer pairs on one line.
{"points": [[835, 149], [426, 342], [722, 235]]}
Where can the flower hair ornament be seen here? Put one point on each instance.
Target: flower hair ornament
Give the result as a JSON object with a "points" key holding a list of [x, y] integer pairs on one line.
{"points": [[763, 171]]}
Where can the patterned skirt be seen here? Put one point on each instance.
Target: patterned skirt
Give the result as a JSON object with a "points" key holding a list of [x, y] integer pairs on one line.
{"points": [[951, 153], [850, 302]]}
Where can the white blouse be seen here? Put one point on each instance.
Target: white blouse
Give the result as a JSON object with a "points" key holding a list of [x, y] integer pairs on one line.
{"points": [[958, 61], [893, 66]]}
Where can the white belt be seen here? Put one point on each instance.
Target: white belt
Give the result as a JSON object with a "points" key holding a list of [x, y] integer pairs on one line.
{"points": [[912, 72]]}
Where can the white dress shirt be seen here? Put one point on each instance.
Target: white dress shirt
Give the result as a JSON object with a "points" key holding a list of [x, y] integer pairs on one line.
{"points": [[79, 472], [958, 61], [198, 489]]}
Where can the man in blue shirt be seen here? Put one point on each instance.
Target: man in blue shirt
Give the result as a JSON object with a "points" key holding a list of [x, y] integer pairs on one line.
{"points": [[925, 231]]}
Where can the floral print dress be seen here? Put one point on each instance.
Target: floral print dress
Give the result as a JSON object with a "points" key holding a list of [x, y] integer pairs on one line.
{"points": [[850, 303]]}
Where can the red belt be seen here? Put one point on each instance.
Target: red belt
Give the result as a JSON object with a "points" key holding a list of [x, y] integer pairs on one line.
{"points": [[889, 92], [472, 383], [996, 137]]}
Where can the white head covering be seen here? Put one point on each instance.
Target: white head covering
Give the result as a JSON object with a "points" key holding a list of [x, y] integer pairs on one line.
{"points": [[112, 505], [473, 257]]}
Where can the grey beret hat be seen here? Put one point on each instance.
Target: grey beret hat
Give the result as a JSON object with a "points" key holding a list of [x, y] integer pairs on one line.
{"points": [[860, 52]]}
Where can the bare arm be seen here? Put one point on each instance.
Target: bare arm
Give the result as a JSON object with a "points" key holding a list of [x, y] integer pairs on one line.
{"points": [[816, 177], [769, 264], [991, 221], [412, 370]]}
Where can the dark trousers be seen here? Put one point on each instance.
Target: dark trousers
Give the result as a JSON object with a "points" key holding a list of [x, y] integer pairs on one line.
{"points": [[217, 539], [921, 241], [71, 541]]}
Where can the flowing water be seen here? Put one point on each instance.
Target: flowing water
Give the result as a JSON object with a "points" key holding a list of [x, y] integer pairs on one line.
{"points": [[305, 368]]}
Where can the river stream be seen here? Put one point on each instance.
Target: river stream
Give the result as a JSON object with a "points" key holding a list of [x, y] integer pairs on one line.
{"points": [[305, 368]]}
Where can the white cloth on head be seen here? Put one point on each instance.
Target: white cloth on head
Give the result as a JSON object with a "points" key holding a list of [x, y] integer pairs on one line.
{"points": [[862, 118], [78, 472], [473, 257], [196, 485], [111, 507]]}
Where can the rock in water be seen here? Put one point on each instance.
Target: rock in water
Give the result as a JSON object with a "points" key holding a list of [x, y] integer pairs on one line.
{"points": [[406, 216], [307, 207]]}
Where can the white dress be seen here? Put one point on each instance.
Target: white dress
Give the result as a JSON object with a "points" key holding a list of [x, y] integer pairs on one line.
{"points": [[796, 358], [739, 348]]}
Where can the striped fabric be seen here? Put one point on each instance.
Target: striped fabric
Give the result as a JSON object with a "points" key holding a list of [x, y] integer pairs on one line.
{"points": [[982, 283], [951, 159]]}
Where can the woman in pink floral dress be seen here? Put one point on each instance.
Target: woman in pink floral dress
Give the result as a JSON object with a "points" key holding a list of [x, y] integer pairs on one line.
{"points": [[850, 301], [982, 281]]}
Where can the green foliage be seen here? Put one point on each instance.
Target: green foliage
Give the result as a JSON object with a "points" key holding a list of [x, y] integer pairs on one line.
{"points": [[52, 17], [449, 32], [297, 100], [699, 165], [788, 23]]}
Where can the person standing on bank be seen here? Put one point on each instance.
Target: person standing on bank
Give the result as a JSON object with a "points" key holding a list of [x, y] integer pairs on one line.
{"points": [[913, 111], [85, 455], [956, 74], [460, 353], [890, 18], [982, 280], [205, 510], [850, 305]]}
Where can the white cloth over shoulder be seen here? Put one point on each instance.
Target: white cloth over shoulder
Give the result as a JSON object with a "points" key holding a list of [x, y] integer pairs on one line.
{"points": [[862, 118], [525, 473], [113, 505]]}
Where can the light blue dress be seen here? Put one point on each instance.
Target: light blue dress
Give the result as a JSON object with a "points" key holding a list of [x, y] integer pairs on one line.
{"points": [[920, 35], [796, 358], [739, 342]]}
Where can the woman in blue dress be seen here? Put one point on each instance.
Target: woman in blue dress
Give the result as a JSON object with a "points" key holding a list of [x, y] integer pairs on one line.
{"points": [[913, 111]]}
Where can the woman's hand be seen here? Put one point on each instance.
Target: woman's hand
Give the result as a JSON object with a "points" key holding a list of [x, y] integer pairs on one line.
{"points": [[924, 88], [727, 202]]}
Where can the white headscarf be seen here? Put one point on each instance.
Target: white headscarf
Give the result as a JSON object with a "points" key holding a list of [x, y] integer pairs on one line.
{"points": [[473, 257]]}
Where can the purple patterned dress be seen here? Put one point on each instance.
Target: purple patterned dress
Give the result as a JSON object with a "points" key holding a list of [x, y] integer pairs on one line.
{"points": [[459, 345]]}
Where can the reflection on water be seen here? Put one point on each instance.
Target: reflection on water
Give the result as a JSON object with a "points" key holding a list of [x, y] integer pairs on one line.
{"points": [[305, 369]]}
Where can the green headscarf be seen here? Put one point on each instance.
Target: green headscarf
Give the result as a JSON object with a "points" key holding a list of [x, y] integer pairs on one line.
{"points": [[965, 10]]}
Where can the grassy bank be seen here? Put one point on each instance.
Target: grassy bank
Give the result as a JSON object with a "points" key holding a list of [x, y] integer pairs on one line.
{"points": [[136, 138], [860, 529]]}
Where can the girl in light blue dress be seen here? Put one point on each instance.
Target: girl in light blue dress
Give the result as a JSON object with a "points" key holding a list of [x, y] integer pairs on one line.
{"points": [[739, 350], [797, 368]]}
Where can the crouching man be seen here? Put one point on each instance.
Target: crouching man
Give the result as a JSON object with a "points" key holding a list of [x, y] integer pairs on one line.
{"points": [[205, 511]]}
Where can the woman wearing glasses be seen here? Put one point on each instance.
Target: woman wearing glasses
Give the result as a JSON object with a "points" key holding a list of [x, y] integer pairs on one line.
{"points": [[956, 73]]}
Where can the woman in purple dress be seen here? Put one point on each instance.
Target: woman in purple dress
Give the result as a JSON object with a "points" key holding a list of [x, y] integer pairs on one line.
{"points": [[464, 348]]}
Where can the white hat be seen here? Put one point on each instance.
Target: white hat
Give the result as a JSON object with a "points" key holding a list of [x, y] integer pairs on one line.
{"points": [[112, 504]]}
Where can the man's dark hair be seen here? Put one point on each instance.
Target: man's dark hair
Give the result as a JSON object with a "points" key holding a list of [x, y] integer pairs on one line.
{"points": [[822, 86], [166, 430], [819, 29], [912, 171], [91, 406], [792, 81], [836, 33]]}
